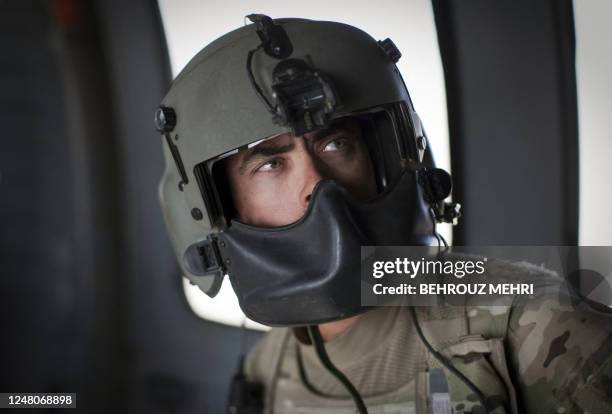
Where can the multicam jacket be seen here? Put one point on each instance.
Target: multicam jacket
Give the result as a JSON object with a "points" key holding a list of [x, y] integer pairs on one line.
{"points": [[543, 354]]}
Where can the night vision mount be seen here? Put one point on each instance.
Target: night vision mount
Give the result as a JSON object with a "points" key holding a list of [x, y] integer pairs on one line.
{"points": [[304, 96]]}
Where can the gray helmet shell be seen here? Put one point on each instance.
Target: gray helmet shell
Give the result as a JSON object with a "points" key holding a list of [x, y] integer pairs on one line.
{"points": [[217, 109]]}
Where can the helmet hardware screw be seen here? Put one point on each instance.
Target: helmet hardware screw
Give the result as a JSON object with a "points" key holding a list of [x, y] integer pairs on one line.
{"points": [[196, 213], [390, 49], [165, 119], [421, 143]]}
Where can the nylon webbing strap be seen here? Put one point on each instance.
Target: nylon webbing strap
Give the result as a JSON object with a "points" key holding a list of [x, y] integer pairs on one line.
{"points": [[438, 392]]}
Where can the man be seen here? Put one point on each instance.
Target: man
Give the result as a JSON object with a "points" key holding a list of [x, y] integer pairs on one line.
{"points": [[289, 145]]}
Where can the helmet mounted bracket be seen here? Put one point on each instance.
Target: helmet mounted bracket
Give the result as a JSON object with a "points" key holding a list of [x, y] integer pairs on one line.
{"points": [[304, 96], [165, 121]]}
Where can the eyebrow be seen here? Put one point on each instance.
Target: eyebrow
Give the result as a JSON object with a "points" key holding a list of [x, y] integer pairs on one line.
{"points": [[267, 151], [324, 133]]}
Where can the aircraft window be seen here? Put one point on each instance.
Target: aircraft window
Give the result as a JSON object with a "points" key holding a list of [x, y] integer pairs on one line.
{"points": [[191, 24], [594, 88]]}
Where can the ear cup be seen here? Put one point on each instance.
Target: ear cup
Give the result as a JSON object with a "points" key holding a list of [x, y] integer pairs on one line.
{"points": [[438, 184]]}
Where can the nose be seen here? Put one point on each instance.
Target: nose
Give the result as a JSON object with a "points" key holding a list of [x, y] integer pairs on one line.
{"points": [[311, 175]]}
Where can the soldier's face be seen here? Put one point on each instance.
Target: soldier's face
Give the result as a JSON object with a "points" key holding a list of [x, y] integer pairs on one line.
{"points": [[272, 183]]}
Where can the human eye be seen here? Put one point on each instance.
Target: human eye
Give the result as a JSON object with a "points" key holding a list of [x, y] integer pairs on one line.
{"points": [[270, 165], [336, 144]]}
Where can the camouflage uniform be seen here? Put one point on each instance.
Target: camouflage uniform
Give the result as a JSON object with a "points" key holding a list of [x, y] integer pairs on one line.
{"points": [[543, 354]]}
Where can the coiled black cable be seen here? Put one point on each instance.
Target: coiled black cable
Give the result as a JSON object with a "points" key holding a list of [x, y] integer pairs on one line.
{"points": [[256, 87], [317, 342]]}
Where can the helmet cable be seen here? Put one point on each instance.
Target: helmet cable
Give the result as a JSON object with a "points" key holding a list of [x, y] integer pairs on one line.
{"points": [[244, 340], [317, 341], [256, 87], [447, 364]]}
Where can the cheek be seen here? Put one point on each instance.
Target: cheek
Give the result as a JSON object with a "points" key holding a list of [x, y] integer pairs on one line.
{"points": [[269, 203], [357, 176], [367, 174]]}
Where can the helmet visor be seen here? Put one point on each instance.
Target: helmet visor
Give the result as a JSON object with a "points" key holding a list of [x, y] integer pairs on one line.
{"points": [[268, 182]]}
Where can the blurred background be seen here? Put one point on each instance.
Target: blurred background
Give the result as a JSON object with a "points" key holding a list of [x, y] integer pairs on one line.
{"points": [[515, 96]]}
